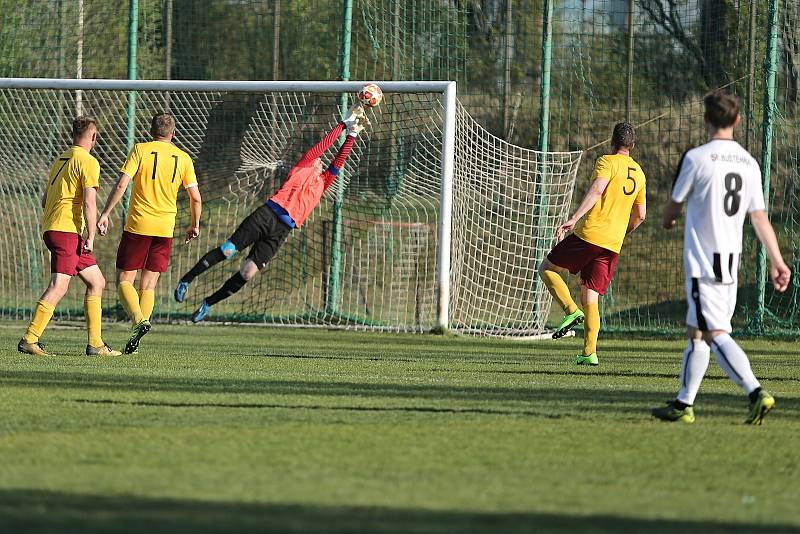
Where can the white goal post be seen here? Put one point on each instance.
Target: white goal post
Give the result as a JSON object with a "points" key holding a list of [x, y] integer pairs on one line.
{"points": [[493, 183]]}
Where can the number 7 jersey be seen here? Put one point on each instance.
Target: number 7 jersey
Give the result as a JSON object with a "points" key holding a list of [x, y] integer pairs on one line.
{"points": [[720, 182], [158, 169]]}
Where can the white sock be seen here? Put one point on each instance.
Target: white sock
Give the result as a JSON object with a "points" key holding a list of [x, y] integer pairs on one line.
{"points": [[734, 362], [695, 362]]}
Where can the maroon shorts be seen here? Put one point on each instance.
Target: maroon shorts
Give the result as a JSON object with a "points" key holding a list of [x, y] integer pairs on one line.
{"points": [[143, 252], [596, 264], [66, 252]]}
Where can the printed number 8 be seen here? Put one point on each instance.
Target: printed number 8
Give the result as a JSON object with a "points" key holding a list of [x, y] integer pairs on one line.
{"points": [[732, 200]]}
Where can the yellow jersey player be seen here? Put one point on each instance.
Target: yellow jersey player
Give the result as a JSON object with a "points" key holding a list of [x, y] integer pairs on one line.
{"points": [[158, 170], [70, 196], [614, 206]]}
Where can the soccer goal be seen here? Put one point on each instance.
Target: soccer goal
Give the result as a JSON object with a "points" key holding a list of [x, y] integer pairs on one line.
{"points": [[433, 224]]}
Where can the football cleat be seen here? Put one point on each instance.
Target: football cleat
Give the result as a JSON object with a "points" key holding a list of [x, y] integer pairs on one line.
{"points": [[582, 359], [569, 322], [758, 409], [105, 350], [180, 291], [37, 349], [201, 312], [138, 332], [671, 413]]}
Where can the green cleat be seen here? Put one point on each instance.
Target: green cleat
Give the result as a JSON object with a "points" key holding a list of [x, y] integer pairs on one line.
{"points": [[582, 359], [138, 332], [569, 322], [671, 413], [758, 409]]}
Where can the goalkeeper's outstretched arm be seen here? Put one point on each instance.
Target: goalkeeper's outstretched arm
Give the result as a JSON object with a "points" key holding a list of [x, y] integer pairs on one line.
{"points": [[319, 149], [338, 161]]}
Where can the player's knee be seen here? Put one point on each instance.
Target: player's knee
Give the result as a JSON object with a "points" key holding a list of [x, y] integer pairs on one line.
{"points": [[228, 249], [98, 284], [249, 270]]}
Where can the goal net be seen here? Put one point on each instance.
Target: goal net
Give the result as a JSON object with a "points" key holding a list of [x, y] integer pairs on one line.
{"points": [[372, 255]]}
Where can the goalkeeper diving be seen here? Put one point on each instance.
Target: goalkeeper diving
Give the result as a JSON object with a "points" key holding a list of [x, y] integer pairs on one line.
{"points": [[267, 228]]}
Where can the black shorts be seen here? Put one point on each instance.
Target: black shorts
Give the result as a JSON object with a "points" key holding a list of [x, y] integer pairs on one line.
{"points": [[264, 231]]}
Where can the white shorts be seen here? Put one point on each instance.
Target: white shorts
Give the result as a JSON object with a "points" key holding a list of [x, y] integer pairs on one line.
{"points": [[711, 304]]}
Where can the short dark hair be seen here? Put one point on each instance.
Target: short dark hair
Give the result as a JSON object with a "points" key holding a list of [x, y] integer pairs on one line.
{"points": [[624, 136], [722, 108], [162, 125], [81, 124]]}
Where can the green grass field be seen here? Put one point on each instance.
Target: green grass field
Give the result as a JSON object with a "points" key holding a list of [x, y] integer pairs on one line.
{"points": [[235, 429]]}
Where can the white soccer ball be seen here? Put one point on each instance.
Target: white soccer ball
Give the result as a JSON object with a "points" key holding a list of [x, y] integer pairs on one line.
{"points": [[370, 95]]}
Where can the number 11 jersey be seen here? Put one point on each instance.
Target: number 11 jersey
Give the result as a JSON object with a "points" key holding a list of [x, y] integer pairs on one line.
{"points": [[158, 169], [721, 183]]}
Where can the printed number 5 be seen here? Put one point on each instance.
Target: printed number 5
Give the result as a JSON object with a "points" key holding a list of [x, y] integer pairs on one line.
{"points": [[633, 186]]}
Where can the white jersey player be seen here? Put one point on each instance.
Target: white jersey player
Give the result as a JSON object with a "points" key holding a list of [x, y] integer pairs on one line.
{"points": [[720, 182]]}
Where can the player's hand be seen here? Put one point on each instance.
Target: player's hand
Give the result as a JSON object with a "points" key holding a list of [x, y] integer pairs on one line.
{"points": [[88, 245], [781, 275], [191, 233], [102, 224], [668, 224], [355, 128], [353, 114], [564, 229]]}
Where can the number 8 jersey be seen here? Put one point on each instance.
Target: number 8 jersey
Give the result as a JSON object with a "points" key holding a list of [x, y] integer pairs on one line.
{"points": [[721, 183], [158, 169]]}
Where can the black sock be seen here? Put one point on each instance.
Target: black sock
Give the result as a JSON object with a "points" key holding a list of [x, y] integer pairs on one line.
{"points": [[212, 257], [681, 405], [754, 394], [231, 286]]}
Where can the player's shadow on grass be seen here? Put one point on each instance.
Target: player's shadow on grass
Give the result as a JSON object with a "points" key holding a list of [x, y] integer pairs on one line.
{"points": [[613, 373], [23, 511], [550, 400]]}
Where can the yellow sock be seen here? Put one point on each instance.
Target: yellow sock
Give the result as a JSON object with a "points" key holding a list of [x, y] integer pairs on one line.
{"points": [[591, 328], [130, 301], [558, 288], [147, 301], [93, 310], [41, 316]]}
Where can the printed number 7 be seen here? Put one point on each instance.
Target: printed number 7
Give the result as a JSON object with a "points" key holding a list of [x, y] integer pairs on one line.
{"points": [[65, 160], [633, 187]]}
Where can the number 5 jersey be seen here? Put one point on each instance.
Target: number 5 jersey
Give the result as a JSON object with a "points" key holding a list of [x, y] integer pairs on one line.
{"points": [[720, 182], [606, 223]]}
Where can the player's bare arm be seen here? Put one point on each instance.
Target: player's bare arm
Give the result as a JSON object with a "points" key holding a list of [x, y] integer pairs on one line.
{"points": [[779, 272], [196, 208], [638, 215], [90, 214], [113, 199], [671, 213], [589, 200]]}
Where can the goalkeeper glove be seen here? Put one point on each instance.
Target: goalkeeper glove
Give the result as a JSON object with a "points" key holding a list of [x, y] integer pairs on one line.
{"points": [[355, 111], [359, 124]]}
